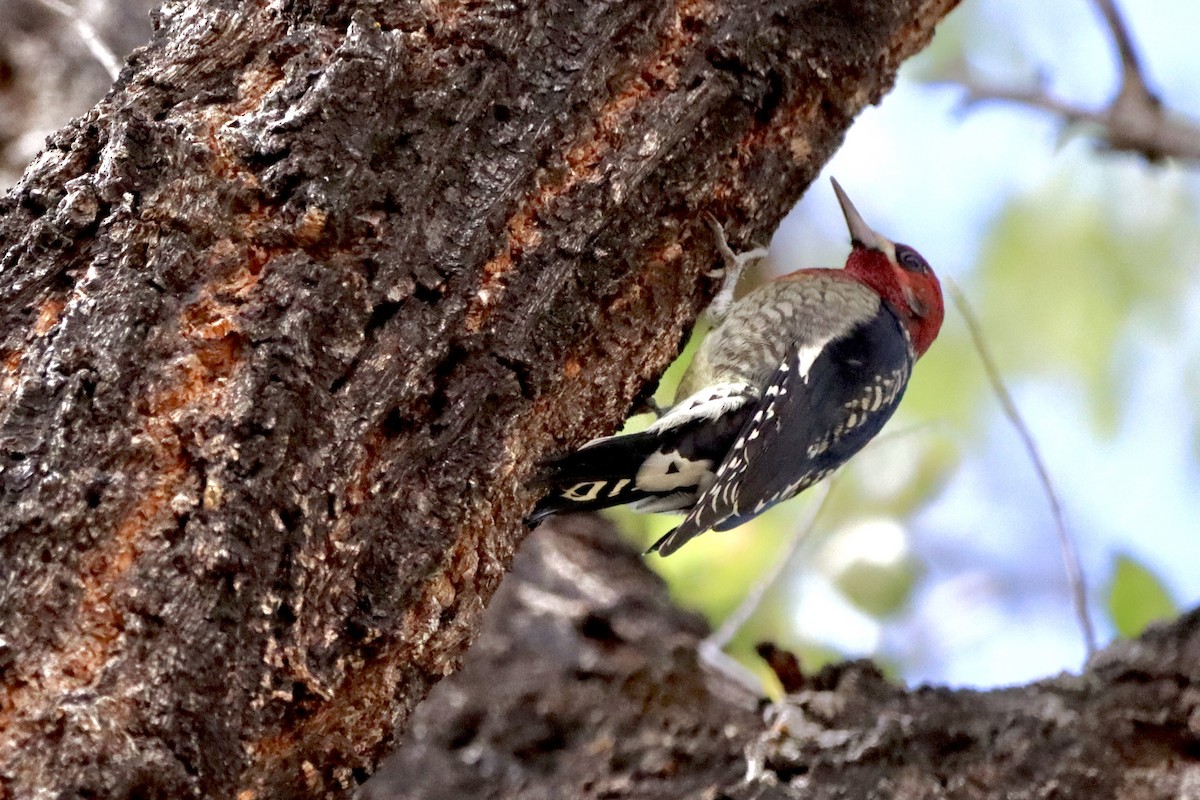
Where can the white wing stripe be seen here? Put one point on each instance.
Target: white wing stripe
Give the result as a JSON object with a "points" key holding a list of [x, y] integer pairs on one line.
{"points": [[711, 403], [806, 356]]}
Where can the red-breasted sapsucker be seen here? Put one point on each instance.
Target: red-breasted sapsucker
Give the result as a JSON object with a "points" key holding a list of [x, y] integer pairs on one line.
{"points": [[793, 380]]}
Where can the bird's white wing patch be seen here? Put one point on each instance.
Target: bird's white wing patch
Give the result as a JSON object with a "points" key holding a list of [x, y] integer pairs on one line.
{"points": [[665, 472], [806, 356], [711, 402]]}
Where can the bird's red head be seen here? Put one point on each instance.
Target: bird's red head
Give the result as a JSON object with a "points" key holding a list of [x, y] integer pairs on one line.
{"points": [[898, 273]]}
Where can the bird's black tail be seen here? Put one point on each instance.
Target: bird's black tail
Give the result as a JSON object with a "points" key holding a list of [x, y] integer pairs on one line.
{"points": [[668, 543], [598, 475]]}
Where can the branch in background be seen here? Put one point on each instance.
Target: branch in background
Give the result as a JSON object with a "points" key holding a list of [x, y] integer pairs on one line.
{"points": [[591, 689], [1135, 121], [1131, 68], [1066, 543], [88, 34]]}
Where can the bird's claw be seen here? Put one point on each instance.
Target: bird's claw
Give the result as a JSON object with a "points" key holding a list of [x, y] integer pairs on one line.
{"points": [[731, 272]]}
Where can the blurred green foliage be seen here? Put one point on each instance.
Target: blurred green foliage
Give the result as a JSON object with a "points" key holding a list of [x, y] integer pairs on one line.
{"points": [[1066, 269], [1136, 597]]}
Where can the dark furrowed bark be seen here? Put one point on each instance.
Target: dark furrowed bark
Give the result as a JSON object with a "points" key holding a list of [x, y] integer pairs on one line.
{"points": [[287, 319]]}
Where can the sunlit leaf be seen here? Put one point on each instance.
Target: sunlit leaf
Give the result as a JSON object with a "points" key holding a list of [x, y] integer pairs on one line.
{"points": [[872, 564], [1136, 597]]}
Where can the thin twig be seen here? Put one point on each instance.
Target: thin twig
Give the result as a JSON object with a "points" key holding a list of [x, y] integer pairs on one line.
{"points": [[1134, 120], [1034, 98], [734, 622], [712, 649], [99, 50], [1066, 543], [1119, 31], [1129, 124]]}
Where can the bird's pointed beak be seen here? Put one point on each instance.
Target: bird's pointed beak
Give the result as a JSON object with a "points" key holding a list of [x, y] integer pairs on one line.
{"points": [[861, 234]]}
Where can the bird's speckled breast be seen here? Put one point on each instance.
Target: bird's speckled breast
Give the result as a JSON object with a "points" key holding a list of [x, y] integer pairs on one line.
{"points": [[813, 306]]}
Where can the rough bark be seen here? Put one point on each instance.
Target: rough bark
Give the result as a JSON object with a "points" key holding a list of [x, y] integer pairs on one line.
{"points": [[286, 319], [592, 690], [583, 683]]}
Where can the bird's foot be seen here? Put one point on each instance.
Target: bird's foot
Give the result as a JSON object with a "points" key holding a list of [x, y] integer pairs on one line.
{"points": [[730, 274], [654, 408]]}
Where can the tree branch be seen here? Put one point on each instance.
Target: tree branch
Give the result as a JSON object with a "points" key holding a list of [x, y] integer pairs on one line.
{"points": [[1134, 121], [594, 690], [1131, 68], [1073, 566]]}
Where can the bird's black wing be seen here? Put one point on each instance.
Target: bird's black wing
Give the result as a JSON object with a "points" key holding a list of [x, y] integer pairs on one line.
{"points": [[807, 423], [663, 466]]}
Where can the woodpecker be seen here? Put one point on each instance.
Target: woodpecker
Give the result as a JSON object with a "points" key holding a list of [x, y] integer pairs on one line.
{"points": [[792, 380]]}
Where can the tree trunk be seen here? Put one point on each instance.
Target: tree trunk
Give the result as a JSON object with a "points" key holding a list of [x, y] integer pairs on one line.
{"points": [[287, 318]]}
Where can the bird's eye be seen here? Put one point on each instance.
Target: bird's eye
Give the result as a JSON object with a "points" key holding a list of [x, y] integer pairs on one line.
{"points": [[910, 259]]}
